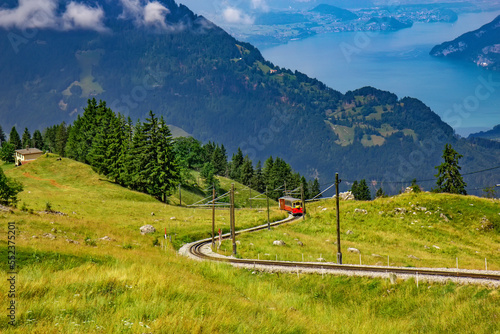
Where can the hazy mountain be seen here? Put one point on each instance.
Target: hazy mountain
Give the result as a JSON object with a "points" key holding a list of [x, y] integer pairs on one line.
{"points": [[339, 13], [493, 134], [481, 46], [164, 58]]}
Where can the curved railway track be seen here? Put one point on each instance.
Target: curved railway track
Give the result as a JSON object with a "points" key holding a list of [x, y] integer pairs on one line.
{"points": [[195, 249]]}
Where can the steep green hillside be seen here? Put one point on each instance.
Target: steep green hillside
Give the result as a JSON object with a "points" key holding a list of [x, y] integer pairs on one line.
{"points": [[70, 280]]}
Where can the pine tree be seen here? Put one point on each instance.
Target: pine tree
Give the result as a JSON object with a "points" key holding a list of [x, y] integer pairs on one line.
{"points": [[26, 140], [236, 162], [2, 136], [380, 193], [9, 188], [14, 138], [363, 191], [7, 152], [219, 160], [61, 137], [449, 178], [354, 189], [257, 181], [315, 189], [246, 171], [38, 140]]}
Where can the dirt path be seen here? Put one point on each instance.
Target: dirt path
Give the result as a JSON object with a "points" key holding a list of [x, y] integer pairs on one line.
{"points": [[52, 182]]}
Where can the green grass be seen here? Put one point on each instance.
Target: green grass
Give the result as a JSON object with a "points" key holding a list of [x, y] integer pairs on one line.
{"points": [[127, 285]]}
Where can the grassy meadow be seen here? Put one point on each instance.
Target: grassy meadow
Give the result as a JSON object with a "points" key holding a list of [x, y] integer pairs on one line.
{"points": [[71, 281]]}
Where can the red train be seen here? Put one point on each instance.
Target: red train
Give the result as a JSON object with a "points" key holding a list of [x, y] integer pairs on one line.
{"points": [[292, 205]]}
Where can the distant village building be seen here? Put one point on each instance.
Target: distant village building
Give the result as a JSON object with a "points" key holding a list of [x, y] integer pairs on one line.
{"points": [[27, 155]]}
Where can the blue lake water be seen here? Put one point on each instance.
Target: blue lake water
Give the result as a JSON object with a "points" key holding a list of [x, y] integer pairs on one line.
{"points": [[465, 96]]}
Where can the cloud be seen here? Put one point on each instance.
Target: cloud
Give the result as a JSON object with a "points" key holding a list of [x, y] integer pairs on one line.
{"points": [[260, 5], [43, 14], [151, 14], [154, 14], [78, 16], [236, 16], [30, 14]]}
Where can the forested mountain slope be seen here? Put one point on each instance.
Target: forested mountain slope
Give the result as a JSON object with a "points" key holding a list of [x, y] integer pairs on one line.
{"points": [[216, 88]]}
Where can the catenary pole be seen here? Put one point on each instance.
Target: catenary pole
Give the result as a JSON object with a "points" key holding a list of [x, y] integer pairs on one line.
{"points": [[339, 253]]}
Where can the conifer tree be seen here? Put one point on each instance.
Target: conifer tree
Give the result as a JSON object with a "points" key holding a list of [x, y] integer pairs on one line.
{"points": [[363, 191], [2, 136], [257, 181], [236, 162], [14, 138], [354, 189], [7, 152], [61, 137], [219, 160], [449, 178], [315, 189], [380, 193], [246, 171], [38, 140], [9, 188], [26, 139]]}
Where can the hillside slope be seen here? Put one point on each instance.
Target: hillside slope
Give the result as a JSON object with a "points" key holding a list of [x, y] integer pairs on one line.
{"points": [[216, 88], [481, 46], [72, 279]]}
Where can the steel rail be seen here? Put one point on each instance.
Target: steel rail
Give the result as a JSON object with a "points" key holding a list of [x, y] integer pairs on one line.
{"points": [[196, 250]]}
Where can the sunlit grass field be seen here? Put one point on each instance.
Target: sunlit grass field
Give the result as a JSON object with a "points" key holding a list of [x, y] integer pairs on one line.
{"points": [[128, 285]]}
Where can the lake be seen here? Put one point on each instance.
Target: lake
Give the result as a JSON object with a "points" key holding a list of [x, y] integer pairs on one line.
{"points": [[465, 96]]}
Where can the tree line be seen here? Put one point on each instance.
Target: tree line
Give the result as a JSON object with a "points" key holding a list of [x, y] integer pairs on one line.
{"points": [[144, 156]]}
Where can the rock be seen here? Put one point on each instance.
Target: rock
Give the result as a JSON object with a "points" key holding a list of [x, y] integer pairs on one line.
{"points": [[250, 244], [106, 238], [443, 216], [324, 209], [353, 250], [393, 278], [400, 211], [427, 247], [34, 237], [413, 257], [428, 213], [49, 236], [346, 196], [279, 243], [381, 212], [173, 218], [238, 242], [363, 211], [437, 247], [376, 255], [486, 225], [300, 243], [72, 241], [147, 229], [349, 232]]}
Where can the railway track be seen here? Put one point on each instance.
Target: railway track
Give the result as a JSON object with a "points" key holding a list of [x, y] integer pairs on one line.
{"points": [[196, 250]]}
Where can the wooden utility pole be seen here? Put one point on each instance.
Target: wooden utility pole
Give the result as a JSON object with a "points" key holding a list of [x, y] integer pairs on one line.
{"points": [[303, 201], [268, 221], [213, 217], [180, 195], [339, 253], [232, 218]]}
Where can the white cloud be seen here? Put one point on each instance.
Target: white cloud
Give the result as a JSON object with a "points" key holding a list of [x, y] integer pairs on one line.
{"points": [[260, 5], [149, 14], [236, 16], [78, 16], [42, 14], [154, 14], [30, 14]]}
